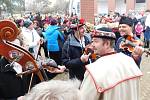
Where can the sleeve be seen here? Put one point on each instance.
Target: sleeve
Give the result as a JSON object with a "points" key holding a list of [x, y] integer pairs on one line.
{"points": [[117, 46], [61, 36]]}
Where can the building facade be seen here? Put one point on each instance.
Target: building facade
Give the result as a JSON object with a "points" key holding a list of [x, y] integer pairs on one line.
{"points": [[122, 6], [89, 8]]}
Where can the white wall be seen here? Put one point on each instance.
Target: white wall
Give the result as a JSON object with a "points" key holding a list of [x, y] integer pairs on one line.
{"points": [[120, 6], [102, 7]]}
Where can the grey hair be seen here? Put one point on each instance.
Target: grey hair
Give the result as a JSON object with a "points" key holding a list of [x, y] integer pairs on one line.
{"points": [[55, 90]]}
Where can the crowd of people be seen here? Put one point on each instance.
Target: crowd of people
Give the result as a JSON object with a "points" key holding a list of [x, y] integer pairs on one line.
{"points": [[114, 74]]}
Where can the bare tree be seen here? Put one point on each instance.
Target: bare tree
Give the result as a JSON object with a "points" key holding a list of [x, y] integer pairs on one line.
{"points": [[6, 5], [12, 6], [44, 6], [39, 6], [61, 6]]}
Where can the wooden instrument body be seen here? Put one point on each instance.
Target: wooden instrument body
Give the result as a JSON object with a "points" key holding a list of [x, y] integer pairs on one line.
{"points": [[12, 52]]}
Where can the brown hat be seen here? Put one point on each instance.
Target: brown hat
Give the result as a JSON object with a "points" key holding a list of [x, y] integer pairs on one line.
{"points": [[104, 32]]}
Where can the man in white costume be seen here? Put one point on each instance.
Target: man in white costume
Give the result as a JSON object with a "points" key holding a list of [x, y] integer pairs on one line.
{"points": [[114, 76]]}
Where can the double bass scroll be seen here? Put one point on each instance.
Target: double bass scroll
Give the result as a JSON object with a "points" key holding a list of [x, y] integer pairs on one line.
{"points": [[8, 30]]}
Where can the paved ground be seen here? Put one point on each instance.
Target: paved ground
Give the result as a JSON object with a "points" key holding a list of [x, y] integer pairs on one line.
{"points": [[145, 80]]}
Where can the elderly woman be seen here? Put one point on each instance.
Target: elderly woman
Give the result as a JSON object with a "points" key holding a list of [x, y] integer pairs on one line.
{"points": [[31, 40]]}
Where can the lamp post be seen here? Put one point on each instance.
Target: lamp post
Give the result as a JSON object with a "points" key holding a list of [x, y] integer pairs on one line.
{"points": [[24, 5]]}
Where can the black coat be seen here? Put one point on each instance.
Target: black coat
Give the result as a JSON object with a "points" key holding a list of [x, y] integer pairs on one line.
{"points": [[11, 86], [71, 53]]}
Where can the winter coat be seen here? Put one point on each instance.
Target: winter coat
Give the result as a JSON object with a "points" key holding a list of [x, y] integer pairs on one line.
{"points": [[71, 53], [52, 34], [31, 40], [147, 34], [11, 86]]}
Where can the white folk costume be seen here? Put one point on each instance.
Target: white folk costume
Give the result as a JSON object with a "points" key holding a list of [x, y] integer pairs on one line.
{"points": [[111, 77]]}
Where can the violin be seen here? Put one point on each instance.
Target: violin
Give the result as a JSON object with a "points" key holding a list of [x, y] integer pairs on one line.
{"points": [[129, 44], [51, 66], [48, 64], [89, 51]]}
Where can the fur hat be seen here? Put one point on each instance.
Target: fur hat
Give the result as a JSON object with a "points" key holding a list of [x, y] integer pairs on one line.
{"points": [[104, 32], [126, 20]]}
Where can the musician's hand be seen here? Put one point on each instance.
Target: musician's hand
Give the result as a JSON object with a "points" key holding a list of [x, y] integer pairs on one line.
{"points": [[138, 51], [20, 98], [41, 41], [60, 69], [84, 58]]}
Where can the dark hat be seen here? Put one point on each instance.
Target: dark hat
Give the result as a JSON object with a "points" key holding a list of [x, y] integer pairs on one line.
{"points": [[53, 21], [18, 21], [104, 32], [126, 20], [27, 23]]}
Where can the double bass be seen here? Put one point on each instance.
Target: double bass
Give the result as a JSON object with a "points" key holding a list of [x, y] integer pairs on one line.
{"points": [[15, 53]]}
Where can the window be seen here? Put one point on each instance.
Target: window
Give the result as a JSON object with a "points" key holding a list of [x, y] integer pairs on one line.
{"points": [[137, 1], [140, 1]]}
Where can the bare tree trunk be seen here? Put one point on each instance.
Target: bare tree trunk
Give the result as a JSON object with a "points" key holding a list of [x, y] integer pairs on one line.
{"points": [[0, 11]]}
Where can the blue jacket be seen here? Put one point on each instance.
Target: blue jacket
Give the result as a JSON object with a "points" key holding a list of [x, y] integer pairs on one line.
{"points": [[52, 34], [147, 34]]}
